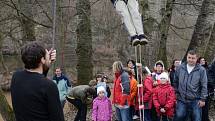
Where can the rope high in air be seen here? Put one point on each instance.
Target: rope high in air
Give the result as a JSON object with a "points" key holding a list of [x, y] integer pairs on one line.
{"points": [[54, 22], [53, 30]]}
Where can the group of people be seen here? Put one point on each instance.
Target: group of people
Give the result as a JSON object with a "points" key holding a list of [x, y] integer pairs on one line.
{"points": [[179, 95]]}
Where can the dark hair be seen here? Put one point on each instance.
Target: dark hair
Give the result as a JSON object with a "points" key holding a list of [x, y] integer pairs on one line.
{"points": [[173, 65], [31, 55], [58, 68], [192, 52], [90, 90], [135, 67], [98, 75], [103, 78], [206, 63]]}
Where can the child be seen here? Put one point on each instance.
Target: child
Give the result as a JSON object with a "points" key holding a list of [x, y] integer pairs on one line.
{"points": [[102, 109], [164, 98], [158, 69], [129, 11], [100, 80]]}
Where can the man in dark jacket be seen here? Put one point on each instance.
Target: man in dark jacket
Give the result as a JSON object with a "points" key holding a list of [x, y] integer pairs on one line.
{"points": [[191, 88], [34, 97], [211, 77]]}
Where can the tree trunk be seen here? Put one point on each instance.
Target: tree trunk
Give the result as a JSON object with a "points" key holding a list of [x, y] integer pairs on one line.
{"points": [[202, 28], [164, 28], [210, 50], [151, 30], [5, 109], [1, 55], [84, 42], [28, 32]]}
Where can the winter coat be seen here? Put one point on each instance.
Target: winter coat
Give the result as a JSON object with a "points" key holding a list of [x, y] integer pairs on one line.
{"points": [[63, 86], [133, 87], [172, 76], [107, 90], [164, 97], [102, 109], [211, 75], [191, 86], [121, 90], [145, 93], [80, 92]]}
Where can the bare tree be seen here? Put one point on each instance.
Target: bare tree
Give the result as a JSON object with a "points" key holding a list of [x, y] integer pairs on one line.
{"points": [[26, 7], [210, 49], [5, 109], [203, 28], [164, 28], [84, 42]]}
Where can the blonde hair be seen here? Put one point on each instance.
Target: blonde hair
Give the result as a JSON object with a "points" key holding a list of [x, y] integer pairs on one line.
{"points": [[117, 66]]}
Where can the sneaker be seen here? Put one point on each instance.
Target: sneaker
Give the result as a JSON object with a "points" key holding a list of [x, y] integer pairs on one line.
{"points": [[134, 40], [143, 39], [135, 117]]}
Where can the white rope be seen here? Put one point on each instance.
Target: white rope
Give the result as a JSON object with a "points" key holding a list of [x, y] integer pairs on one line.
{"points": [[140, 81], [54, 22]]}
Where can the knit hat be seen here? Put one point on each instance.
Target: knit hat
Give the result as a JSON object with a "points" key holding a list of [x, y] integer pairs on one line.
{"points": [[163, 76], [99, 89], [159, 63]]}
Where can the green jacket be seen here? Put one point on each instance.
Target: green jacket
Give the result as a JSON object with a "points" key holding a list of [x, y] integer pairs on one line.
{"points": [[82, 92]]}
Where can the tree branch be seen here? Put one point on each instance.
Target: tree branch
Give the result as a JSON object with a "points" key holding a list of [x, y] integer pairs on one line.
{"points": [[19, 12]]}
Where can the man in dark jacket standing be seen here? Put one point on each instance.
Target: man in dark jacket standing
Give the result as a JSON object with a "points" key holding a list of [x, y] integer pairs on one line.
{"points": [[211, 77], [34, 97], [191, 88]]}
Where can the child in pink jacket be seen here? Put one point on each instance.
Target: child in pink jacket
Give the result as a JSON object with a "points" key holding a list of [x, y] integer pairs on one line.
{"points": [[102, 109]]}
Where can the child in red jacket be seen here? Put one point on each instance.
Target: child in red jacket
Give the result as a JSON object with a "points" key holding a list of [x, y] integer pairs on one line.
{"points": [[164, 98]]}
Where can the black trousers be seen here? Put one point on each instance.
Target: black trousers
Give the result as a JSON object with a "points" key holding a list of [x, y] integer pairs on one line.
{"points": [[205, 109], [82, 109]]}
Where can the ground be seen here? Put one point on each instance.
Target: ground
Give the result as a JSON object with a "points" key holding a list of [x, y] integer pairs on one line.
{"points": [[70, 110]]}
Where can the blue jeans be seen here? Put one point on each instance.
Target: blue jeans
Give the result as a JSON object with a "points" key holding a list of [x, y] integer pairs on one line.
{"points": [[182, 109], [147, 115], [123, 114]]}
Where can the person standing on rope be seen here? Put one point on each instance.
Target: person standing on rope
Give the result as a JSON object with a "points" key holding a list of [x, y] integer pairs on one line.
{"points": [[35, 97], [63, 85], [129, 11]]}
